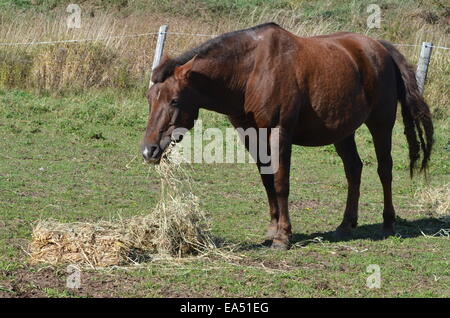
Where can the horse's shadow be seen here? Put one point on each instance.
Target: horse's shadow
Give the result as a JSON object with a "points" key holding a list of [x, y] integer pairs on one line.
{"points": [[404, 229]]}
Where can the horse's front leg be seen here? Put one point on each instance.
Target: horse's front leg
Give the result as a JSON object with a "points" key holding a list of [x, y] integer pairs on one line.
{"points": [[280, 145], [269, 185]]}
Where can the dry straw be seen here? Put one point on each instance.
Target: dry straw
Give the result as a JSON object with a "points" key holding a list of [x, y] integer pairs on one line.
{"points": [[176, 227], [435, 200]]}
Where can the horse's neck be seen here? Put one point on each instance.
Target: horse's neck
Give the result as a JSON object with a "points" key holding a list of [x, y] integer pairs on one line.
{"points": [[223, 84], [222, 97]]}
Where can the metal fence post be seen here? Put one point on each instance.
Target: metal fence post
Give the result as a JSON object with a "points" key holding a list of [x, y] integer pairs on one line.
{"points": [[159, 49], [422, 65]]}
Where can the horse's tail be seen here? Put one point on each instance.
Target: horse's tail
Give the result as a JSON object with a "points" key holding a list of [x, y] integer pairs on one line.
{"points": [[415, 111]]}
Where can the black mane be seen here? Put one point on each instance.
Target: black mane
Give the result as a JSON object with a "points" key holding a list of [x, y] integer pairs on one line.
{"points": [[166, 69]]}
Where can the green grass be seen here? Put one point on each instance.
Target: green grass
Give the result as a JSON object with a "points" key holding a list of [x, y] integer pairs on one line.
{"points": [[76, 158]]}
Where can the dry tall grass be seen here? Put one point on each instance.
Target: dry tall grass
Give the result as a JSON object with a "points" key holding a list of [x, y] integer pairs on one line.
{"points": [[82, 66], [120, 61], [435, 200], [110, 58]]}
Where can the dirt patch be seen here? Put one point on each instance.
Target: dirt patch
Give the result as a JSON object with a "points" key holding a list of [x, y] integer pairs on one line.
{"points": [[52, 282], [304, 205], [175, 292], [32, 282], [268, 265]]}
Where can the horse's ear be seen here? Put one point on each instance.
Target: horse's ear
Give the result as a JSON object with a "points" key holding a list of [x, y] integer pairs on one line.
{"points": [[182, 71], [164, 59], [159, 73]]}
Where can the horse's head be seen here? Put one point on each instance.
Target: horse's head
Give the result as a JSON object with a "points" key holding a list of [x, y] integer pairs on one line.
{"points": [[173, 109]]}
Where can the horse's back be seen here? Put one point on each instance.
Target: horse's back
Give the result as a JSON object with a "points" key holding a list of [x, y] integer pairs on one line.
{"points": [[342, 78], [324, 87]]}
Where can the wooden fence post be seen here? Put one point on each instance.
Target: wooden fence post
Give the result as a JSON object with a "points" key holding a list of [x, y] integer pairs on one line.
{"points": [[422, 66], [159, 49]]}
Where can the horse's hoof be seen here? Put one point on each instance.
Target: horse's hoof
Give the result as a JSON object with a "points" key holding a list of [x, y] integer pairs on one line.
{"points": [[279, 245], [342, 233]]}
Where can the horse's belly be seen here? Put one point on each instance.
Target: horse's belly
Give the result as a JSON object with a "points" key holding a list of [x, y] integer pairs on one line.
{"points": [[328, 127], [316, 137]]}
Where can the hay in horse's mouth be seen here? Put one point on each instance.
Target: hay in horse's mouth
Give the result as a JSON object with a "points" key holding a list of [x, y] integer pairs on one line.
{"points": [[175, 227]]}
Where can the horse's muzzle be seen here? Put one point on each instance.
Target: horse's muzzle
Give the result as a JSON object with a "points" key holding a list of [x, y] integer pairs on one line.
{"points": [[152, 153]]}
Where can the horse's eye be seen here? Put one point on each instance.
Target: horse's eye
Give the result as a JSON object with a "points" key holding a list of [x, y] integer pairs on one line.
{"points": [[174, 102]]}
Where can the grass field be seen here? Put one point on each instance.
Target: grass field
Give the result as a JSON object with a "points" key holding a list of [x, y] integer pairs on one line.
{"points": [[71, 159], [74, 156]]}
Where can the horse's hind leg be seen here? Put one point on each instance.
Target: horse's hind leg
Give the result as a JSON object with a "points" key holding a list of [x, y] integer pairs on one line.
{"points": [[382, 140], [353, 168]]}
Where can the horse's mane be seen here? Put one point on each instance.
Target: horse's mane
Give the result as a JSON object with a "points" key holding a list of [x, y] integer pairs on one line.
{"points": [[166, 68]]}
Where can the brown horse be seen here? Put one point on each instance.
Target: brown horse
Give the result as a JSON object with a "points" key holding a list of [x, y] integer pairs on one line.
{"points": [[316, 91]]}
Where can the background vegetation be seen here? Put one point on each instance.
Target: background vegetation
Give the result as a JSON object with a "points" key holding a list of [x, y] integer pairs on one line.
{"points": [[72, 117], [125, 62]]}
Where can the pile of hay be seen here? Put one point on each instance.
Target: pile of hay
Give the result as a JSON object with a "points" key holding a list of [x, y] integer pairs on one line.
{"points": [[435, 200], [176, 227]]}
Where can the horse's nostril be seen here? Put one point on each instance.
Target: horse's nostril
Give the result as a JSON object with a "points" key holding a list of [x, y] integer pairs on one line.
{"points": [[177, 137], [151, 152], [155, 151]]}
